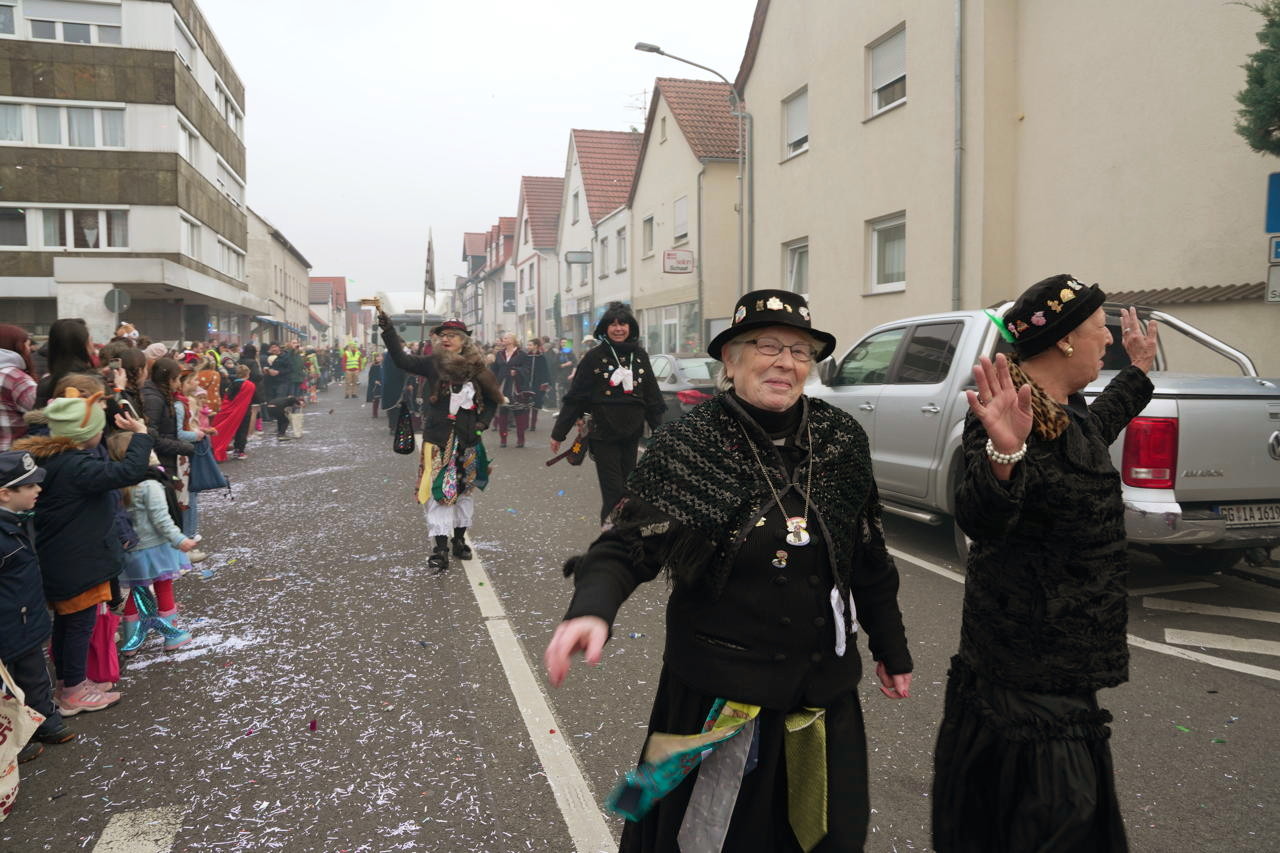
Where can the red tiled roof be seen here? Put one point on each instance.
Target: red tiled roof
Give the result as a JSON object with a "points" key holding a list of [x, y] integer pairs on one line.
{"points": [[607, 159], [506, 224], [702, 110], [472, 243], [1192, 295], [541, 202]]}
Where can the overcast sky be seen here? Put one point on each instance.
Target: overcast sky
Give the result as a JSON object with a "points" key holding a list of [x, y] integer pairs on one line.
{"points": [[369, 123]]}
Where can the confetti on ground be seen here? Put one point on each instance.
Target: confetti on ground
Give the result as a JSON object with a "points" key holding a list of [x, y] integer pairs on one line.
{"points": [[1182, 728]]}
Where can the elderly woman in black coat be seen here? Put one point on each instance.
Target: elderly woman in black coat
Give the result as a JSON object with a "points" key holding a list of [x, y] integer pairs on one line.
{"points": [[614, 383], [760, 507], [1022, 761]]}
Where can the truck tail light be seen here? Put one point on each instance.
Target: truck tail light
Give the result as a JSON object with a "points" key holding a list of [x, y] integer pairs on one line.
{"points": [[1150, 453], [692, 396]]}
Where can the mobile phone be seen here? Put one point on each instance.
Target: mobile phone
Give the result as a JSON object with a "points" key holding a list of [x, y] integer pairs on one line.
{"points": [[114, 364]]}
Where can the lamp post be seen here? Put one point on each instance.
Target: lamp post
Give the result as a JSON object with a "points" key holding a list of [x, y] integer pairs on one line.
{"points": [[745, 218]]}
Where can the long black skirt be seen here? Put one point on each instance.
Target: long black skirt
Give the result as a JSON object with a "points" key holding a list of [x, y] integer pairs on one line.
{"points": [[760, 823], [1024, 772]]}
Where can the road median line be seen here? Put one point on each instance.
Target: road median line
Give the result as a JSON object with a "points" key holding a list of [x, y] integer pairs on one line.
{"points": [[587, 827]]}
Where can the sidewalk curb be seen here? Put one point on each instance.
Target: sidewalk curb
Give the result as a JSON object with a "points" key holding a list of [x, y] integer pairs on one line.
{"points": [[1260, 574]]}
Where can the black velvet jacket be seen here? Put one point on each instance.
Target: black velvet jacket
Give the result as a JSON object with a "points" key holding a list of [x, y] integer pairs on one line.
{"points": [[436, 423], [738, 625], [614, 414], [1045, 604]]}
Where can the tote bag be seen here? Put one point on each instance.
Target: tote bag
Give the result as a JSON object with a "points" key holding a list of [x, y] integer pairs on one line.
{"points": [[103, 663], [402, 440], [17, 724], [205, 473]]}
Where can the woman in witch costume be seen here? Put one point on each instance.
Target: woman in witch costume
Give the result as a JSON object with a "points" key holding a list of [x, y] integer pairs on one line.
{"points": [[461, 397], [760, 507], [1022, 760], [615, 385]]}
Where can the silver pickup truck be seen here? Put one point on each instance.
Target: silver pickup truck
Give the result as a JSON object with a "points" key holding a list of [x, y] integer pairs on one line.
{"points": [[1200, 465]]}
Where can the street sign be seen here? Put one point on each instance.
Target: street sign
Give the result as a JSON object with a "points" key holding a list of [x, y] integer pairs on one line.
{"points": [[679, 261], [577, 257], [1273, 250], [1273, 203], [117, 301], [1273, 283]]}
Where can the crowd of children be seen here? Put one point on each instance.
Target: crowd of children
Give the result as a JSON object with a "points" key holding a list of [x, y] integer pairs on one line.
{"points": [[103, 454]]}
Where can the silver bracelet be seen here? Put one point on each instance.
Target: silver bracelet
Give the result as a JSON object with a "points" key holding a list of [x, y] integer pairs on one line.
{"points": [[1006, 458]]}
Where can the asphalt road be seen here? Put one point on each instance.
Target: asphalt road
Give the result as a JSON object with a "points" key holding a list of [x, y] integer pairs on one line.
{"points": [[337, 698]]}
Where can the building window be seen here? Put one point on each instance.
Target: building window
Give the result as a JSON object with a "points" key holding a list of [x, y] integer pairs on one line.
{"points": [[87, 228], [112, 128], [13, 226], [646, 236], [75, 33], [575, 208], [522, 280], [796, 123], [188, 143], [681, 210], [49, 125], [662, 129], [183, 44], [191, 239], [509, 297], [10, 122], [80, 127], [888, 60], [797, 259], [888, 242], [230, 110], [604, 257], [6, 21], [526, 231], [622, 249], [232, 187], [230, 260]]}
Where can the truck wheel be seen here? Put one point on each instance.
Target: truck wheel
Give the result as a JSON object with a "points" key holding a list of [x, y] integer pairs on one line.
{"points": [[1191, 560], [963, 543]]}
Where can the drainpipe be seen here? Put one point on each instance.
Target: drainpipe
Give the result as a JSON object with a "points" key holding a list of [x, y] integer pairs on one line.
{"points": [[751, 201], [702, 308], [957, 203]]}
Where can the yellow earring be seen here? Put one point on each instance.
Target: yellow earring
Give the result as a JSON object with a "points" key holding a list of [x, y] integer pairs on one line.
{"points": [[1070, 350]]}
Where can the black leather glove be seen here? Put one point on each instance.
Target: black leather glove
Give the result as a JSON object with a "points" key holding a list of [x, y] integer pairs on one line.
{"points": [[384, 322]]}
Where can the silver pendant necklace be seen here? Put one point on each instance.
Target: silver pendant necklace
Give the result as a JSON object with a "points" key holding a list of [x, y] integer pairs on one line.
{"points": [[797, 525]]}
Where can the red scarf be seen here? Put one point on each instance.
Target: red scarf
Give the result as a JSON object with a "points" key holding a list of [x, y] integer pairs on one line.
{"points": [[228, 419]]}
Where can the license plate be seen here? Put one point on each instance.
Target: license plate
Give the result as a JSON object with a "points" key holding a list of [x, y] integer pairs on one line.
{"points": [[1250, 515]]}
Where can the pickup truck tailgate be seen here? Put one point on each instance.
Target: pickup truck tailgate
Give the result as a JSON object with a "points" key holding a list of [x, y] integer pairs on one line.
{"points": [[1228, 438]]}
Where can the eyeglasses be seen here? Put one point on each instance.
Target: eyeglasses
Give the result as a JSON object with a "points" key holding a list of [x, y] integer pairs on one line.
{"points": [[771, 347]]}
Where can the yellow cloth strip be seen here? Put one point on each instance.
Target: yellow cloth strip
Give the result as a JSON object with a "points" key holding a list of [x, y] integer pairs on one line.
{"points": [[806, 750]]}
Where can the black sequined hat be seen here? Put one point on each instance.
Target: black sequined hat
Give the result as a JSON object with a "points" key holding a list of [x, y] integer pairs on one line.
{"points": [[1048, 311], [761, 308]]}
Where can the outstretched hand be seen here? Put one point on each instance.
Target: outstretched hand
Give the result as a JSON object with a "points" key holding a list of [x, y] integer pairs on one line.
{"points": [[384, 322], [1139, 342], [586, 634], [1005, 411]]}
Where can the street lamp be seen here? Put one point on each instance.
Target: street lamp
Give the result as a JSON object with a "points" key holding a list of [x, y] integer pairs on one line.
{"points": [[746, 222]]}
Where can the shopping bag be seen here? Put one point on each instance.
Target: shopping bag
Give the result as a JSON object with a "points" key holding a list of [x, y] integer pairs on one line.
{"points": [[103, 664], [402, 440], [205, 473], [17, 724], [295, 423]]}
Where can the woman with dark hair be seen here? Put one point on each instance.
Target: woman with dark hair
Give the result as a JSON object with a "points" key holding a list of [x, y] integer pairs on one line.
{"points": [[162, 423], [69, 350], [133, 362], [17, 383], [614, 384]]}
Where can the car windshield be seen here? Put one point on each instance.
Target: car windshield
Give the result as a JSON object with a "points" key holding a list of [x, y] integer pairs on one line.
{"points": [[696, 369]]}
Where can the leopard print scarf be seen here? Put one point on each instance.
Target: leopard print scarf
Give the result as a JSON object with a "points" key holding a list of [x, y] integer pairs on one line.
{"points": [[1049, 417]]}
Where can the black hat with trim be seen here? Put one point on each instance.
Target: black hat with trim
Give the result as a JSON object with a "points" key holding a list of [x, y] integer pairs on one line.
{"points": [[18, 468], [762, 308], [452, 326], [1048, 311]]}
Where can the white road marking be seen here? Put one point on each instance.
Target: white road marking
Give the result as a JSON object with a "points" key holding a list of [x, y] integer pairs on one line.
{"points": [[586, 823], [1222, 663], [1221, 641], [141, 831], [1174, 606], [925, 564], [1177, 587], [1149, 645]]}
